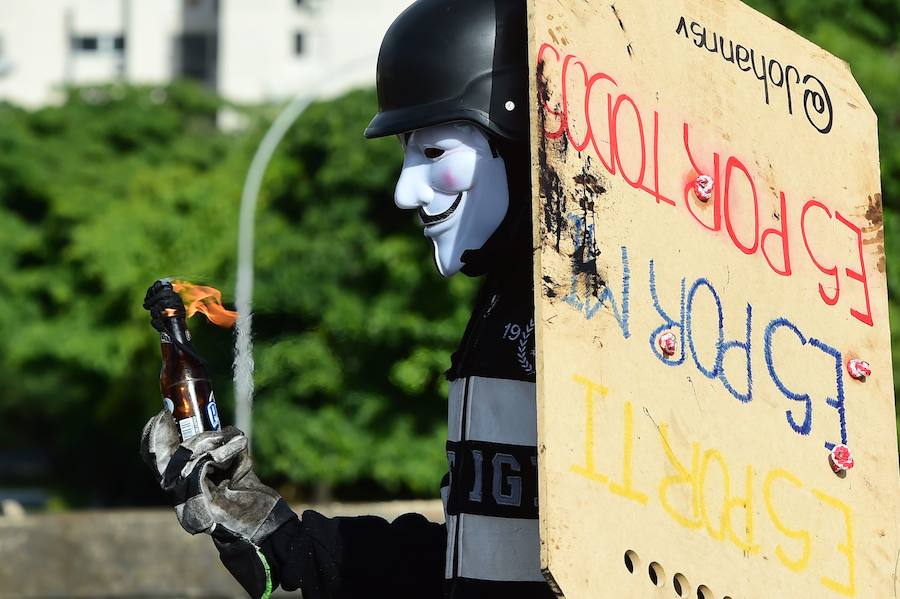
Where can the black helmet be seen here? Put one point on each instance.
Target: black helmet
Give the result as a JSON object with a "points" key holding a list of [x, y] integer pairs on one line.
{"points": [[454, 60]]}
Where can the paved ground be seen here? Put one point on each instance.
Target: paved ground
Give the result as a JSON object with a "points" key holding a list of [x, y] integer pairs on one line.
{"points": [[131, 554]]}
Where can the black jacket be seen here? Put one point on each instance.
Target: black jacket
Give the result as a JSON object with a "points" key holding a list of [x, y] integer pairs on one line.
{"points": [[331, 558]]}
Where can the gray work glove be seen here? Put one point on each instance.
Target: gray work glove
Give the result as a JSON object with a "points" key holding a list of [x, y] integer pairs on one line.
{"points": [[210, 479]]}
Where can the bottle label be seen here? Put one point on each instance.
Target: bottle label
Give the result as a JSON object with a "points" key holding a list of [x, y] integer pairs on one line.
{"points": [[190, 427], [213, 412], [164, 337]]}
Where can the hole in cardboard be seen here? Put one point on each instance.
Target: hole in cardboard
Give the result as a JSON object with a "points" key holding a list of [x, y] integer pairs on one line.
{"points": [[632, 561], [657, 575], [681, 586], [703, 592]]}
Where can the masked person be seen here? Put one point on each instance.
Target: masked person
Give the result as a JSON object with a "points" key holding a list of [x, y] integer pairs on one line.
{"points": [[452, 85]]}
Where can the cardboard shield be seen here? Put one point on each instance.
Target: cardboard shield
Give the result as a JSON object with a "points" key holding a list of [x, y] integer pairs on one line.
{"points": [[711, 309]]}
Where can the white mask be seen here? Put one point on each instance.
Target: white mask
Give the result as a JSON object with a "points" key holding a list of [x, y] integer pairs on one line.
{"points": [[451, 176]]}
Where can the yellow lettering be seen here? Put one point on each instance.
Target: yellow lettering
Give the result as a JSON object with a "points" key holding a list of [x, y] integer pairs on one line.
{"points": [[626, 489], [682, 477], [800, 563], [708, 456], [589, 470], [689, 482], [745, 503], [848, 589]]}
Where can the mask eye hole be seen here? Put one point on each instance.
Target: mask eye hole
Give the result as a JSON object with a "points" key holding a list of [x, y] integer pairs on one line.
{"points": [[433, 153]]}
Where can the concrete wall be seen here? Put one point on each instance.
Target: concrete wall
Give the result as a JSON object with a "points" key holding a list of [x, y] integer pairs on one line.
{"points": [[130, 554]]}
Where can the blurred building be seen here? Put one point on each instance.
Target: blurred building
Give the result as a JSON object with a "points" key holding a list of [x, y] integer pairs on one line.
{"points": [[248, 51]]}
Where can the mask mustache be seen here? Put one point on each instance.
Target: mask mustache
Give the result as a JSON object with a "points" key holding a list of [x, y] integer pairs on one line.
{"points": [[432, 219]]}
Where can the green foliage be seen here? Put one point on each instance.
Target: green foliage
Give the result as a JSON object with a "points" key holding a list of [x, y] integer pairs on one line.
{"points": [[359, 325], [98, 197], [119, 186]]}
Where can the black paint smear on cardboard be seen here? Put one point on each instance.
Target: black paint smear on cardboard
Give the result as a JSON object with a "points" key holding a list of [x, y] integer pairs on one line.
{"points": [[587, 179], [584, 260], [588, 188], [618, 18], [549, 182], [562, 145], [549, 286]]}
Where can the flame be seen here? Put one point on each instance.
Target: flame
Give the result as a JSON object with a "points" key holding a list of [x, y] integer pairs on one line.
{"points": [[207, 300]]}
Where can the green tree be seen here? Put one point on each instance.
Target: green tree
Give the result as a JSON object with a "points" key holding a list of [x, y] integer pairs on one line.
{"points": [[119, 186], [97, 198], [357, 326]]}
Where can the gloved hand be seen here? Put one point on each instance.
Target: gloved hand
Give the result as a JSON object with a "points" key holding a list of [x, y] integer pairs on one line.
{"points": [[210, 479], [161, 296]]}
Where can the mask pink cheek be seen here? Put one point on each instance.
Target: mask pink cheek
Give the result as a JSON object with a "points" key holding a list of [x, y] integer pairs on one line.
{"points": [[448, 180]]}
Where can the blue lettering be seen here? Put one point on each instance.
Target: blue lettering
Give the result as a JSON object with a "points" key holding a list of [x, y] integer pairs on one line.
{"points": [[712, 372], [584, 274], [778, 323], [745, 347], [837, 402], [668, 322]]}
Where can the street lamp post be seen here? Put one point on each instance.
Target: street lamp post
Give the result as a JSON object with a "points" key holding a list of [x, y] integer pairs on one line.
{"points": [[243, 343]]}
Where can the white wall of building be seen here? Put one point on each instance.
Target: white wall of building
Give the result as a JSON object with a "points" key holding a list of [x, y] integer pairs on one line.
{"points": [[33, 50], [257, 40], [250, 46], [104, 22], [152, 27]]}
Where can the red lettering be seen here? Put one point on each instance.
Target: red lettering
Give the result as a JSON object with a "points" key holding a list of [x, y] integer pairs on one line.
{"points": [[689, 186], [828, 271], [579, 146], [859, 275], [783, 235], [547, 108], [574, 112], [731, 164], [614, 142], [610, 165], [655, 191]]}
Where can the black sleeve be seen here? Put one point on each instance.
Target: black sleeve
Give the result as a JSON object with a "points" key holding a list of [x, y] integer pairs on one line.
{"points": [[343, 558]]}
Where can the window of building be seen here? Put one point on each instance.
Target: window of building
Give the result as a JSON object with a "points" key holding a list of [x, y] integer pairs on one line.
{"points": [[98, 43], [299, 43], [85, 43], [194, 55], [198, 56]]}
